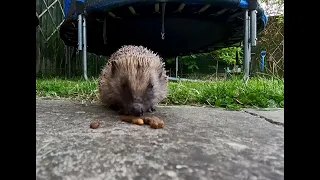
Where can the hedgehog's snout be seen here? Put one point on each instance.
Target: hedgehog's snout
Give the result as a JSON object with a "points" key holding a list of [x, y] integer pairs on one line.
{"points": [[137, 109]]}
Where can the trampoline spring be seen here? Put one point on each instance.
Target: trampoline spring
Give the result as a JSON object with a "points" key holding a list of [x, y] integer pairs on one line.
{"points": [[234, 10], [222, 11], [180, 8], [236, 15], [132, 10], [163, 10], [203, 9], [219, 12], [113, 15], [156, 8]]}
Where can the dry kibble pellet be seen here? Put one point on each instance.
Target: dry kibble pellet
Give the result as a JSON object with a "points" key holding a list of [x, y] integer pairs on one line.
{"points": [[130, 119], [147, 120], [138, 121], [154, 125], [94, 125], [157, 124], [160, 124], [154, 122]]}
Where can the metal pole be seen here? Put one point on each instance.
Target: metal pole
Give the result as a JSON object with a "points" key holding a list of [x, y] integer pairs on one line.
{"points": [[177, 66], [69, 61], [249, 46], [283, 49], [84, 49], [80, 32], [246, 45], [253, 29]]}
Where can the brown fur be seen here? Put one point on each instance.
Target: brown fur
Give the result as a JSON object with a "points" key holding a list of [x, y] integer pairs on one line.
{"points": [[134, 74]]}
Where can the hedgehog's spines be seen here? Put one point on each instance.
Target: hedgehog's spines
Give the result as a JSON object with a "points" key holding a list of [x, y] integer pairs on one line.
{"points": [[122, 67]]}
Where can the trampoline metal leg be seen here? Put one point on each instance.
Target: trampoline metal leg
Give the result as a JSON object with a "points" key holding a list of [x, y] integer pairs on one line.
{"points": [[177, 66], [84, 51], [253, 28], [246, 44], [80, 32]]}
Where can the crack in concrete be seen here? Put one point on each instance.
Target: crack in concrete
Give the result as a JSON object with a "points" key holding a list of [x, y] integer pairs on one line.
{"points": [[265, 118]]}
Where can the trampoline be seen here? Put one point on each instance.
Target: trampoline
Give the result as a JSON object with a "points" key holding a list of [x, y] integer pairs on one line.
{"points": [[171, 27]]}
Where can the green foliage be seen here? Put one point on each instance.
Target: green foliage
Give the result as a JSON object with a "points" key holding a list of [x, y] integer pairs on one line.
{"points": [[259, 92], [190, 62], [228, 55], [280, 19]]}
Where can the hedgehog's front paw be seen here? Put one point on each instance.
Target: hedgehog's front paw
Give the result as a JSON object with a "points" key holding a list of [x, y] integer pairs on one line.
{"points": [[114, 107]]}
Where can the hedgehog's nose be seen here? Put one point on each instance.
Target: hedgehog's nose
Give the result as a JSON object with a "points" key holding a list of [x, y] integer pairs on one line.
{"points": [[137, 110]]}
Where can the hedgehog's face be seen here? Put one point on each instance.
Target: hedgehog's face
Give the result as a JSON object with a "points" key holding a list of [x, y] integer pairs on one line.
{"points": [[138, 84], [138, 95]]}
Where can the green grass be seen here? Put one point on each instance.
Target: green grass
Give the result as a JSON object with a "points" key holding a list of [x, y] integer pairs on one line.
{"points": [[259, 92]]}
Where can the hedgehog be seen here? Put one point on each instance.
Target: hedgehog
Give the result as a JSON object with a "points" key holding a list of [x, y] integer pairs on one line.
{"points": [[134, 81]]}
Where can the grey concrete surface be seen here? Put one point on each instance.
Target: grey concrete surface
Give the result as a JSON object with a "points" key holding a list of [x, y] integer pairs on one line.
{"points": [[195, 144], [272, 115]]}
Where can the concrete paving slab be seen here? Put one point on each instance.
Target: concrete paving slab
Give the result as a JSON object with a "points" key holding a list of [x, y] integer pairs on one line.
{"points": [[275, 116], [195, 144]]}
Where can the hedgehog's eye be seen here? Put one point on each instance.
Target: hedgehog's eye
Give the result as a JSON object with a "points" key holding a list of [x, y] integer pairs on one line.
{"points": [[150, 86]]}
